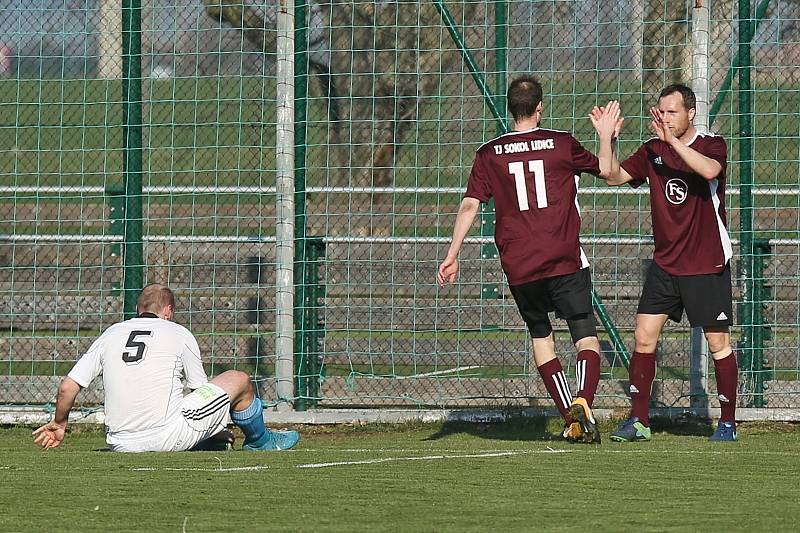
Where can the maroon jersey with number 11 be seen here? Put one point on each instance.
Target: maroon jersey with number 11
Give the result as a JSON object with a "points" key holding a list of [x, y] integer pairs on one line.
{"points": [[532, 176]]}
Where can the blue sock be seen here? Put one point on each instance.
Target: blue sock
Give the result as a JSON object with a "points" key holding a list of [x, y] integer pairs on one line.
{"points": [[251, 420]]}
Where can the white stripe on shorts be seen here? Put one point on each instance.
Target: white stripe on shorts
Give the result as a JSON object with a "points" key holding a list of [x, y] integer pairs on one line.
{"points": [[222, 402]]}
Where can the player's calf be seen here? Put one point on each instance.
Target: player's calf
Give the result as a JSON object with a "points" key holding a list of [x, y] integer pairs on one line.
{"points": [[257, 435]]}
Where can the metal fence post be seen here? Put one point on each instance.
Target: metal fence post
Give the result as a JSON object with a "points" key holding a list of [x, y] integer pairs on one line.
{"points": [[761, 11], [311, 328], [300, 246], [490, 291], [285, 212], [698, 367], [133, 263], [748, 313], [762, 294]]}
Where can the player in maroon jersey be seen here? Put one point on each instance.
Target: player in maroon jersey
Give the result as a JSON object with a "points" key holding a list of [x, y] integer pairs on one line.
{"points": [[691, 261], [532, 175]]}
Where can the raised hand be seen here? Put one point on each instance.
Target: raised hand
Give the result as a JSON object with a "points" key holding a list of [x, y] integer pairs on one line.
{"points": [[596, 115], [659, 127], [50, 435], [607, 120]]}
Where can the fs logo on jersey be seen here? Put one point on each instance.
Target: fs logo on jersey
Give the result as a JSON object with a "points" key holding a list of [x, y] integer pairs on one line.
{"points": [[676, 191]]}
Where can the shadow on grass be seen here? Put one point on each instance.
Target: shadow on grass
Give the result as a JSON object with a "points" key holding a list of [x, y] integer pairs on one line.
{"points": [[686, 425], [548, 429], [516, 429]]}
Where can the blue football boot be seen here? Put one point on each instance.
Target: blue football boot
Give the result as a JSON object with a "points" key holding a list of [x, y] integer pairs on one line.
{"points": [[274, 440], [725, 432], [631, 431]]}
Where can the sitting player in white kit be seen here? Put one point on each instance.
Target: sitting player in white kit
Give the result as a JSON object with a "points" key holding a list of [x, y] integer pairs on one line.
{"points": [[143, 362]]}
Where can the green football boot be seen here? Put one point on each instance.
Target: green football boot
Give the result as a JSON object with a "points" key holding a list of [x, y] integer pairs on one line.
{"points": [[631, 431]]}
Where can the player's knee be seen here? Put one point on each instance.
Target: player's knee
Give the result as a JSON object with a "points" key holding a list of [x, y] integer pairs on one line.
{"points": [[234, 382], [582, 328], [718, 343], [243, 381], [645, 340], [588, 343], [546, 342], [540, 330]]}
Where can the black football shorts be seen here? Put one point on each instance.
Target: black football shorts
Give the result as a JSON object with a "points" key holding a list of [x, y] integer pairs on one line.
{"points": [[707, 298], [570, 296]]}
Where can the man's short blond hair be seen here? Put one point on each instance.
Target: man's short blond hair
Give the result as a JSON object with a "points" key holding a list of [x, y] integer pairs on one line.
{"points": [[154, 299]]}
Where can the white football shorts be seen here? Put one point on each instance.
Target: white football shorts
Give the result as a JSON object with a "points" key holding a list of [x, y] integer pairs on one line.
{"points": [[203, 413]]}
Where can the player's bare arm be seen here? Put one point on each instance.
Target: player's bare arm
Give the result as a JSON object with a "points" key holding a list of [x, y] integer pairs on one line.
{"points": [[607, 121], [448, 270], [52, 434], [704, 166]]}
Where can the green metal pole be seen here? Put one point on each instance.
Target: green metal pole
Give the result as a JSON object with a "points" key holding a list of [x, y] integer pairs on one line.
{"points": [[447, 18], [500, 60], [301, 300], [611, 329], [761, 10], [761, 328], [745, 193], [132, 152], [489, 250]]}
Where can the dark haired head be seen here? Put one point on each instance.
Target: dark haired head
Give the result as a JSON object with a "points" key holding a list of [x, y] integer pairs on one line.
{"points": [[523, 97], [689, 99]]}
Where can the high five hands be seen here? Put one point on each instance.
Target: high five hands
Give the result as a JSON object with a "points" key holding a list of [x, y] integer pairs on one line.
{"points": [[607, 120]]}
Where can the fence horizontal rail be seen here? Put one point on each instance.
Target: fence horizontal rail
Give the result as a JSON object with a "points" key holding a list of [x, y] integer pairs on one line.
{"points": [[164, 189], [52, 237]]}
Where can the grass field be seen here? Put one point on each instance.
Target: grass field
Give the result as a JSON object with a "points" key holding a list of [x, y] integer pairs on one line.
{"points": [[436, 477]]}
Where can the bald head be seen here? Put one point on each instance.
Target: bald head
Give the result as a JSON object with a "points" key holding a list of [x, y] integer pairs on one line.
{"points": [[157, 299]]}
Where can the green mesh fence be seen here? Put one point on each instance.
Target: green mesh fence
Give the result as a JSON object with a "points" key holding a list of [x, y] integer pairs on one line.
{"points": [[394, 115]]}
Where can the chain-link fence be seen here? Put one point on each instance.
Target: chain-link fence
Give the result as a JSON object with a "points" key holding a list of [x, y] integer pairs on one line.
{"points": [[399, 98]]}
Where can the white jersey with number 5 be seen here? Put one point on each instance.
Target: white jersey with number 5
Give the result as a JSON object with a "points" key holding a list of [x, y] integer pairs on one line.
{"points": [[143, 362]]}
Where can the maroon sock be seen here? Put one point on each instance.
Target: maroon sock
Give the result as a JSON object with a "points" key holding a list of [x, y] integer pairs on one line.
{"points": [[727, 374], [642, 372], [587, 370], [556, 382]]}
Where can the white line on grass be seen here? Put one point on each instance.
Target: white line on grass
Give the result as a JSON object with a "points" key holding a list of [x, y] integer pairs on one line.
{"points": [[440, 372], [505, 453], [197, 469], [413, 450], [445, 456], [427, 458]]}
